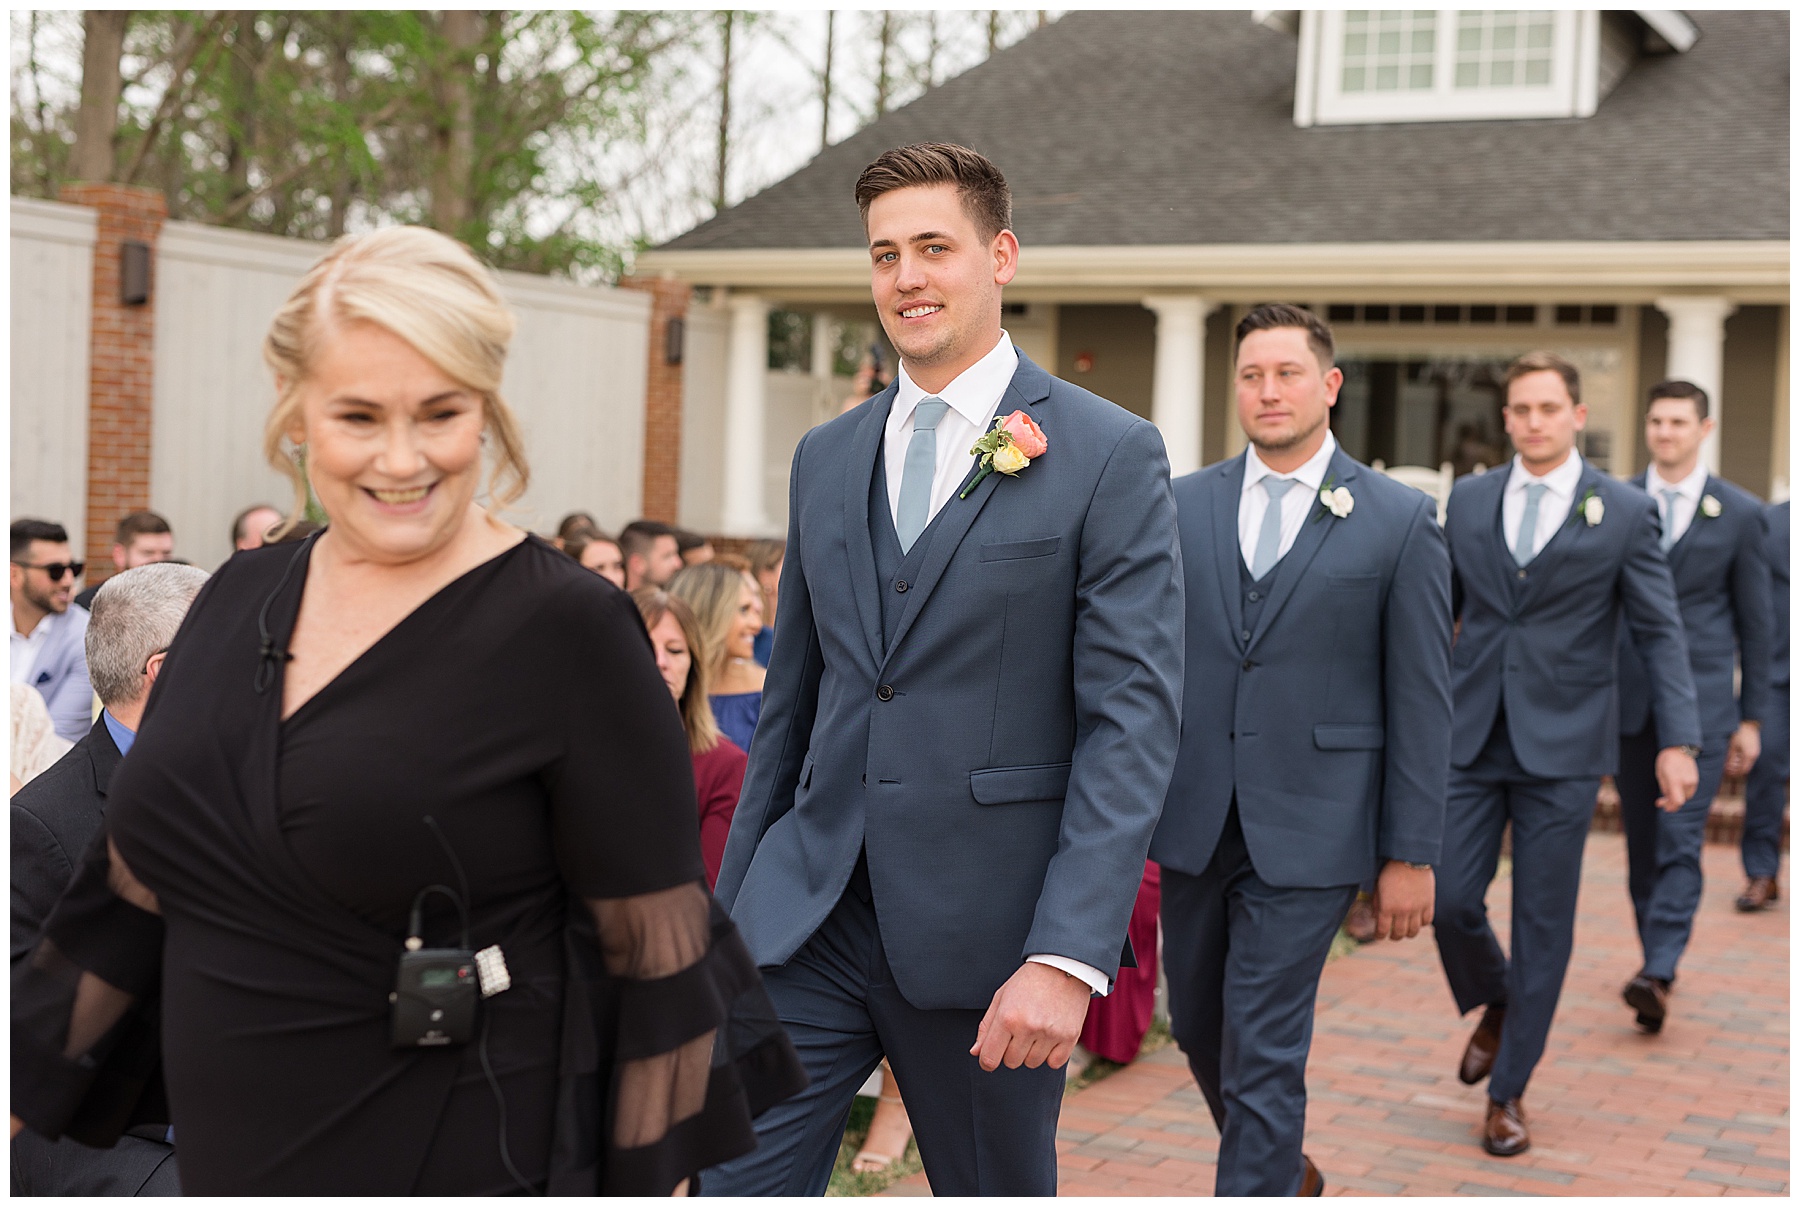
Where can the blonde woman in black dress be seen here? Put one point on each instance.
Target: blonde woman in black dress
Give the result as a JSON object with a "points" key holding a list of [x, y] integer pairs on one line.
{"points": [[421, 695]]}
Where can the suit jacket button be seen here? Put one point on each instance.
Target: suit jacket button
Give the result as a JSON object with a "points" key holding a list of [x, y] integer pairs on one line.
{"points": [[884, 693], [900, 586], [1248, 664]]}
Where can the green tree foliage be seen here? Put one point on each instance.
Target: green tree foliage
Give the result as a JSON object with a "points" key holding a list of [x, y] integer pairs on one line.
{"points": [[297, 122]]}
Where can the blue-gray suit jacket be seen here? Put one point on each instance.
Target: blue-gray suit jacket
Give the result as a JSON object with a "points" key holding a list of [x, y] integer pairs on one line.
{"points": [[1721, 577], [1330, 723], [1776, 547], [1544, 640], [60, 674], [1004, 760]]}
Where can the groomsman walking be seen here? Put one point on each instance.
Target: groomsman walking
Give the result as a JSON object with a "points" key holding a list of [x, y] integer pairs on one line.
{"points": [[1766, 787], [1712, 534], [1315, 740], [1542, 556]]}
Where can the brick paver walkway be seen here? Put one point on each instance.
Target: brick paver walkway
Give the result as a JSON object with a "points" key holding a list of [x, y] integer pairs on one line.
{"points": [[1701, 1109]]}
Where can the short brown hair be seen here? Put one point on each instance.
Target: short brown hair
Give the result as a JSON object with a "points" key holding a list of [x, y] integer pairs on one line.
{"points": [[1274, 315], [1679, 389], [139, 523], [985, 196], [1544, 362]]}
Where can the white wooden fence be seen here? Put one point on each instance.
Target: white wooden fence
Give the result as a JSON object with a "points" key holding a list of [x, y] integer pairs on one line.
{"points": [[52, 292], [575, 376]]}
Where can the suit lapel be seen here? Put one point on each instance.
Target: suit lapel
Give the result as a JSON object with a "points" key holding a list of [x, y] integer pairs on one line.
{"points": [[859, 473], [1556, 550], [1029, 387], [1317, 525], [1498, 564], [1228, 489], [1678, 552]]}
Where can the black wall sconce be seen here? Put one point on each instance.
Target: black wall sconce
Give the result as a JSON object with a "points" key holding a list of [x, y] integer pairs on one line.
{"points": [[674, 341], [134, 273]]}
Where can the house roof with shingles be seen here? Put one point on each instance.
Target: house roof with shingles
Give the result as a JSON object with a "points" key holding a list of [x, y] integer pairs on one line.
{"points": [[1147, 128]]}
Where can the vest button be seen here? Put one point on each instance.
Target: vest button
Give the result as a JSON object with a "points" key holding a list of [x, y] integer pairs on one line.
{"points": [[1254, 597], [1521, 573], [1246, 634], [900, 586], [884, 693]]}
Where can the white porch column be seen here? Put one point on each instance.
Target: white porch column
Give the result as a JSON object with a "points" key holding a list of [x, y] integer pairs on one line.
{"points": [[1178, 393], [1697, 354], [746, 388]]}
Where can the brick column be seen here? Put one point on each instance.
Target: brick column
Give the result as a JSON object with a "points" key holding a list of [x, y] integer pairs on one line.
{"points": [[120, 366], [662, 399]]}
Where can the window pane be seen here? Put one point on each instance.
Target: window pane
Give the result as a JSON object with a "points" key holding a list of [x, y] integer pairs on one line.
{"points": [[1468, 75], [1387, 79], [1420, 78], [1503, 48], [1353, 79], [1500, 74], [1388, 51], [1537, 71]]}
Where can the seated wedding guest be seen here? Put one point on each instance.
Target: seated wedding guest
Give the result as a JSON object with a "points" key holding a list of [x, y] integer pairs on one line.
{"points": [[598, 552], [35, 744], [728, 606], [718, 761], [141, 539], [46, 635], [765, 559], [419, 735], [694, 548], [651, 553], [575, 524], [249, 529], [136, 615]]}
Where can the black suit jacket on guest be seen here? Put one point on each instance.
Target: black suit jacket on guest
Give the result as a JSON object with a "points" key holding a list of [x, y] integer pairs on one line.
{"points": [[54, 818], [1721, 574]]}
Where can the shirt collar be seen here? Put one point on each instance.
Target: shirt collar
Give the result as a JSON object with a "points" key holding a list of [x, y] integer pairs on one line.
{"points": [[1562, 480], [972, 393], [121, 736], [1688, 488], [1310, 475], [42, 627]]}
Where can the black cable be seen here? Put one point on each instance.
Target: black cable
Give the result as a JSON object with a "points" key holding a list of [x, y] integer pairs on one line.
{"points": [[269, 657], [487, 1066], [500, 1100]]}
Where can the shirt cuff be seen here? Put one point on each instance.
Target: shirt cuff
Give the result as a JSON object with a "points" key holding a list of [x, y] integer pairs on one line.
{"points": [[1092, 977]]}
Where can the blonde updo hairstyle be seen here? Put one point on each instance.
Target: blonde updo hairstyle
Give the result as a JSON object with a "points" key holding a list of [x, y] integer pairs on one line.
{"points": [[425, 288]]}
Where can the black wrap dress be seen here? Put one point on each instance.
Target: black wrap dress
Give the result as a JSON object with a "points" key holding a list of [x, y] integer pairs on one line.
{"points": [[520, 710]]}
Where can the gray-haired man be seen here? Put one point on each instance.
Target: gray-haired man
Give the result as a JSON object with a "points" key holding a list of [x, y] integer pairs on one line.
{"points": [[56, 816]]}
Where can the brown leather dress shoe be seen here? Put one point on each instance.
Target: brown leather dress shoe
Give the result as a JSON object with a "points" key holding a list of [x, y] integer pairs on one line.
{"points": [[1359, 923], [1760, 893], [1650, 998], [1478, 1057], [1505, 1134], [1312, 1182]]}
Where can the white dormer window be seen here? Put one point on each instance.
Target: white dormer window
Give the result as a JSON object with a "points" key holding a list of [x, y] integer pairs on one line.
{"points": [[1419, 65]]}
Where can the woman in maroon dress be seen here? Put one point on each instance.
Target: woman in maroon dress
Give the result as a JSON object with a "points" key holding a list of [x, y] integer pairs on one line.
{"points": [[718, 761]]}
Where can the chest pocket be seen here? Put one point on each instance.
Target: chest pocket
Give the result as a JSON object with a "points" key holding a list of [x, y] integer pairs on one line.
{"points": [[1012, 551], [1016, 567]]}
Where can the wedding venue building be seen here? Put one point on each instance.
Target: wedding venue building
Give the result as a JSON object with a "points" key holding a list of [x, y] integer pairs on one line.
{"points": [[1450, 188]]}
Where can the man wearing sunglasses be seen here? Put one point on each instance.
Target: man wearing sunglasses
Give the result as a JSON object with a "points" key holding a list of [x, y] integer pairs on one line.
{"points": [[47, 634]]}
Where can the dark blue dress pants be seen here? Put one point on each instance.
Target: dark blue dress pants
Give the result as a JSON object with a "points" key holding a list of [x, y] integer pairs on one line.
{"points": [[979, 1133], [1766, 791], [1550, 820], [1243, 959], [1663, 849]]}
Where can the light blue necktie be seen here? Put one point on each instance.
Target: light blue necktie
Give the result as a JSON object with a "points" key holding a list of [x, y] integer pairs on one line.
{"points": [[1268, 540], [914, 511], [1526, 547], [1669, 495]]}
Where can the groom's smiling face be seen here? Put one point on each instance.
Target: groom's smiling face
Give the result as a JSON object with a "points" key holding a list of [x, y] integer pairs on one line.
{"points": [[936, 280]]}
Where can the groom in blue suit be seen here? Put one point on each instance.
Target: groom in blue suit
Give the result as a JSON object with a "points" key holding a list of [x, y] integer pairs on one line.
{"points": [[970, 718], [1542, 555], [1712, 534], [1315, 740]]}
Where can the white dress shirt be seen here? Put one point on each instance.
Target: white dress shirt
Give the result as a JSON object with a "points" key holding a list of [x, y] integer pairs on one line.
{"points": [[1296, 504], [25, 649], [1553, 507], [1687, 498], [973, 397]]}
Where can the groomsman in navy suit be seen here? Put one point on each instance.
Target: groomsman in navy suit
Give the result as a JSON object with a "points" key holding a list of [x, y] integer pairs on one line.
{"points": [[1315, 741], [1766, 787], [1712, 534], [1542, 556]]}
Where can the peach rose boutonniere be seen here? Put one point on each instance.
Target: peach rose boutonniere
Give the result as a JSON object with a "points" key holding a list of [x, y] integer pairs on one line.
{"points": [[1009, 446]]}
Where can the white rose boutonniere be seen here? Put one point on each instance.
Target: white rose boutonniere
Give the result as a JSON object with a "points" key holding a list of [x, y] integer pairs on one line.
{"points": [[1593, 510], [1335, 499], [1710, 508]]}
